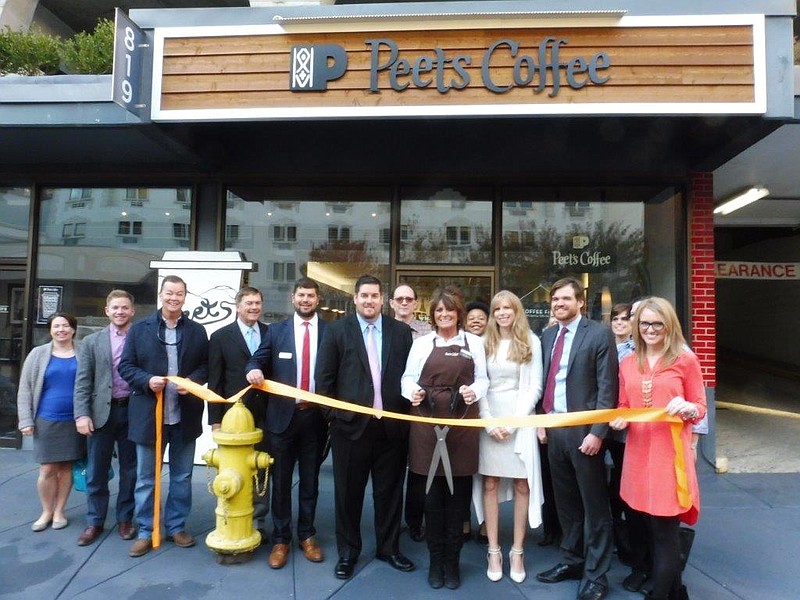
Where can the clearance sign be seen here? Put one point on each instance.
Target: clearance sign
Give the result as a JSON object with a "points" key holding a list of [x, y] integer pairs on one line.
{"points": [[712, 64], [757, 270]]}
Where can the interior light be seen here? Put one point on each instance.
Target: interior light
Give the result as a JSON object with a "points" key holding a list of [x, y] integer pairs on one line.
{"points": [[166, 214], [741, 199], [124, 214]]}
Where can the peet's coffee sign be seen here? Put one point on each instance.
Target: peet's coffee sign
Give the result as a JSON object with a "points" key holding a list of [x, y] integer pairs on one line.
{"points": [[314, 66], [585, 260]]}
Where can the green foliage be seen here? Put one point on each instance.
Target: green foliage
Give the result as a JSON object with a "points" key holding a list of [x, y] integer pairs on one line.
{"points": [[29, 53], [32, 53], [91, 52]]}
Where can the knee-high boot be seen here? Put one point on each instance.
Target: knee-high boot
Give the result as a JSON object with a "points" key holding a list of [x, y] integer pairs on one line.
{"points": [[435, 538], [454, 520]]}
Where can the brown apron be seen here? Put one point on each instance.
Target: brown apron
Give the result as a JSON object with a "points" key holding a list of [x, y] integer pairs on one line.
{"points": [[445, 371]]}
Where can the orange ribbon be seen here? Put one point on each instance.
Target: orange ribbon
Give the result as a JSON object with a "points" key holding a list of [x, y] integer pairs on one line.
{"points": [[586, 417]]}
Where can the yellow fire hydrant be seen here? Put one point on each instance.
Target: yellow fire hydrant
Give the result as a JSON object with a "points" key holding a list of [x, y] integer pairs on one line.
{"points": [[237, 464]]}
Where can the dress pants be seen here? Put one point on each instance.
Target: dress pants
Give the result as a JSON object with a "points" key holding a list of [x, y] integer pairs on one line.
{"points": [[581, 496], [354, 461], [301, 443], [415, 499], [99, 449]]}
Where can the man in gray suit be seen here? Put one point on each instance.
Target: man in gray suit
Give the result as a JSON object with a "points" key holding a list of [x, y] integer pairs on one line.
{"points": [[580, 370], [101, 414]]}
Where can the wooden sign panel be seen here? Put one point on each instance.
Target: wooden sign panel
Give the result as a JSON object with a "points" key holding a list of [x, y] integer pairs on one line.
{"points": [[642, 65]]}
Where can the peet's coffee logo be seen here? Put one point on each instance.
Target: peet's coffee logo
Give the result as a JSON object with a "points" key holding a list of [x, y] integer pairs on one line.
{"points": [[590, 260], [314, 66]]}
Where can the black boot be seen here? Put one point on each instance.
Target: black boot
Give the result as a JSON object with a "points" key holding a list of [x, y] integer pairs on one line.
{"points": [[435, 538], [454, 540]]}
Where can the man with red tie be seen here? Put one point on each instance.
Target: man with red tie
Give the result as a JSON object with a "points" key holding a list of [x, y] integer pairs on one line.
{"points": [[297, 430], [580, 370]]}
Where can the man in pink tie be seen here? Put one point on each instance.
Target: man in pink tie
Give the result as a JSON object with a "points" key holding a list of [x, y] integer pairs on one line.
{"points": [[580, 371], [361, 360], [296, 428]]}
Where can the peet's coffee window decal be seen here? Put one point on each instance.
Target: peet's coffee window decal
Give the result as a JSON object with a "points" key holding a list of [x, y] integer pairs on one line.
{"points": [[642, 65]]}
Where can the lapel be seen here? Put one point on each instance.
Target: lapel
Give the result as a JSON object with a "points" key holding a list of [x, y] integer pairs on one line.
{"points": [[361, 348], [238, 339], [103, 348], [386, 345], [548, 339], [286, 341], [580, 336]]}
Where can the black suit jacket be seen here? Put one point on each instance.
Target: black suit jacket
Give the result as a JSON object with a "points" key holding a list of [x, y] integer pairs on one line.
{"points": [[276, 357], [343, 373], [228, 355], [592, 371]]}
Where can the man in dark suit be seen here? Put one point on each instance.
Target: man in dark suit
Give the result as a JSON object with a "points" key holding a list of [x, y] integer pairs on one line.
{"points": [[100, 404], [297, 430], [580, 369], [361, 360], [229, 349], [165, 343]]}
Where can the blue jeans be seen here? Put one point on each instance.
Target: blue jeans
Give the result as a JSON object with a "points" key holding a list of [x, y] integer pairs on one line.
{"points": [[179, 499], [100, 447]]}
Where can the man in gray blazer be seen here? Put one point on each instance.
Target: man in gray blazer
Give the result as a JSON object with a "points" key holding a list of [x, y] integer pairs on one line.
{"points": [[580, 370], [101, 414]]}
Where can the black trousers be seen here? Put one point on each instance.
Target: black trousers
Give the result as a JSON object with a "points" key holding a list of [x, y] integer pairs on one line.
{"points": [[384, 459], [415, 499], [667, 567], [581, 496], [300, 444]]}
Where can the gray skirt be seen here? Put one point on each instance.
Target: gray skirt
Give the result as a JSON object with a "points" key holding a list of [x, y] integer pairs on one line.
{"points": [[57, 441]]}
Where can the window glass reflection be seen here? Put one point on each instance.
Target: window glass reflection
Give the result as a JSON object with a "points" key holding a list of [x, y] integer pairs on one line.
{"points": [[331, 236]]}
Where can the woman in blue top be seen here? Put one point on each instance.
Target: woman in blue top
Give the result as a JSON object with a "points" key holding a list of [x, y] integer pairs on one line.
{"points": [[44, 404]]}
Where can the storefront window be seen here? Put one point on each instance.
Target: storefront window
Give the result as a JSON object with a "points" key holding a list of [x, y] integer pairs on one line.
{"points": [[600, 243], [92, 240], [446, 226], [330, 235], [14, 216]]}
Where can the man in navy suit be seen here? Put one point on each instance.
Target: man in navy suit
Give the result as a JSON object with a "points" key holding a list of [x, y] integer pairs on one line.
{"points": [[229, 349], [297, 430], [363, 445], [580, 370], [165, 343]]}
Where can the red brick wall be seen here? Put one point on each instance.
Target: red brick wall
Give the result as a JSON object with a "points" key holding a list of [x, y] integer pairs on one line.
{"points": [[702, 337]]}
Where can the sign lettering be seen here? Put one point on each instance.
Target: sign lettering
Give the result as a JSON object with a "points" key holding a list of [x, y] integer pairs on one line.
{"points": [[757, 270]]}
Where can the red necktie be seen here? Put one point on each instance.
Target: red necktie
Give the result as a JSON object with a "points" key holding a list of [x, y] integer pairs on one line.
{"points": [[305, 361], [550, 386]]}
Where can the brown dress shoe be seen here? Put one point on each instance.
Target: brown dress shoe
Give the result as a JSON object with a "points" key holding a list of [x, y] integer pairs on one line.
{"points": [[89, 535], [311, 550], [277, 558], [126, 530], [182, 539], [140, 547]]}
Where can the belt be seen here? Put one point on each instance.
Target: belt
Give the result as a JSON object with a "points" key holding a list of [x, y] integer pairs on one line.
{"points": [[122, 402]]}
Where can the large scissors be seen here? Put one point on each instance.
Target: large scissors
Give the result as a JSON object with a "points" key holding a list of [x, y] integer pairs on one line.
{"points": [[440, 453]]}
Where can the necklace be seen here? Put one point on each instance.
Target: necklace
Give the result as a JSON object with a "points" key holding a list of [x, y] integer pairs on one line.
{"points": [[647, 392]]}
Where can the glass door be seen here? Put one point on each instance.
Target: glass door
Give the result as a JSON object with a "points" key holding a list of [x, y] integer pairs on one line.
{"points": [[12, 314], [476, 284]]}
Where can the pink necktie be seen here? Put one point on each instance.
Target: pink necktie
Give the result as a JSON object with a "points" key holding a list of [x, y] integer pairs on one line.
{"points": [[555, 363], [305, 361], [374, 367]]}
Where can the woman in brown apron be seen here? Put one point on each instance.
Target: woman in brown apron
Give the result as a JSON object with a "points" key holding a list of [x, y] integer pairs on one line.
{"points": [[445, 376]]}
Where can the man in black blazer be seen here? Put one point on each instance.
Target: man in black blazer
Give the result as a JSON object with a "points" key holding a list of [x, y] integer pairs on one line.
{"points": [[165, 343], [364, 445], [229, 349], [584, 378], [297, 430]]}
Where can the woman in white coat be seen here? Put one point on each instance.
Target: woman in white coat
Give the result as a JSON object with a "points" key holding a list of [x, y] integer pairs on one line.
{"points": [[508, 454]]}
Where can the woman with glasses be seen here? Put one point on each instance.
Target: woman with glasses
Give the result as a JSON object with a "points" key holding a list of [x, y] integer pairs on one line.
{"points": [[44, 404], [661, 373]]}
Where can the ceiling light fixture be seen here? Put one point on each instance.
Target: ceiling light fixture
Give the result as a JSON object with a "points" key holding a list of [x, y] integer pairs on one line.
{"points": [[741, 199]]}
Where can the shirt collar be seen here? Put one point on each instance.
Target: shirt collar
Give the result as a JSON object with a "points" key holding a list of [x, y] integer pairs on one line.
{"points": [[378, 322]]}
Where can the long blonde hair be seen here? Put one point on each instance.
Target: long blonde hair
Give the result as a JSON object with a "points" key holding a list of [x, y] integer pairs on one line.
{"points": [[520, 350], [674, 342]]}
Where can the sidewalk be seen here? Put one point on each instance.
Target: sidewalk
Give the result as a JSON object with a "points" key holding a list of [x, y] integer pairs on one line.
{"points": [[745, 548]]}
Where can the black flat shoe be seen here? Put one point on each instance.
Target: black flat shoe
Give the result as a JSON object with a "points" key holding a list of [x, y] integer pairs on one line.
{"points": [[593, 591], [344, 568], [396, 561], [561, 572], [634, 581]]}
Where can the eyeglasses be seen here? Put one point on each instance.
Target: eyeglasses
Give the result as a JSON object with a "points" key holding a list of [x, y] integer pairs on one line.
{"points": [[620, 319], [404, 299], [657, 326]]}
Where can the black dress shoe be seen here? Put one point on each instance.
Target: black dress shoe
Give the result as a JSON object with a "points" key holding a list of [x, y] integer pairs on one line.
{"points": [[561, 572], [634, 581], [416, 533], [344, 568], [396, 561], [593, 590]]}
